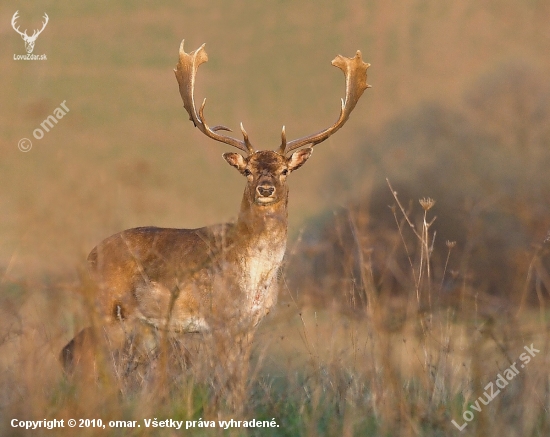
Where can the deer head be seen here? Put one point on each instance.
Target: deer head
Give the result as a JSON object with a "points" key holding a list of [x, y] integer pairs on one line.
{"points": [[266, 171], [29, 40]]}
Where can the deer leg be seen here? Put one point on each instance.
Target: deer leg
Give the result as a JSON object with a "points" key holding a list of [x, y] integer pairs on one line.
{"points": [[230, 362]]}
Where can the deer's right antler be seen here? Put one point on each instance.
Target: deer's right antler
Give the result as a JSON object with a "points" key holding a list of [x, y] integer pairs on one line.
{"points": [[186, 71]]}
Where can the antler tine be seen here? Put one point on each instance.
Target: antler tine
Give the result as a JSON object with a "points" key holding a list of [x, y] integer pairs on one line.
{"points": [[246, 140], [355, 71], [283, 141], [186, 72]]}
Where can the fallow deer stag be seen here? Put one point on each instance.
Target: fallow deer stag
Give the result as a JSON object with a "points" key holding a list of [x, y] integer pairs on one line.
{"points": [[217, 280]]}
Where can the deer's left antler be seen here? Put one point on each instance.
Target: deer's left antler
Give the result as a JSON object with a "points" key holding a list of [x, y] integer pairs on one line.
{"points": [[355, 71]]}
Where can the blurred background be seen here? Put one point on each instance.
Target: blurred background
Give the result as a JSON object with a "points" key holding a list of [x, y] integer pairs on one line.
{"points": [[459, 112]]}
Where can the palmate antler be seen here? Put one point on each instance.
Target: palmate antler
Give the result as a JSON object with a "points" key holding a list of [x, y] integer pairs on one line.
{"points": [[186, 71], [354, 69]]}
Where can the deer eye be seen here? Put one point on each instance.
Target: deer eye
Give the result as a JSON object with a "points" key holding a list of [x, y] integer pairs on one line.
{"points": [[247, 172], [284, 172]]}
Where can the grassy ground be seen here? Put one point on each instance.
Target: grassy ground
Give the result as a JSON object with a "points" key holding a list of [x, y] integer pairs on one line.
{"points": [[403, 365]]}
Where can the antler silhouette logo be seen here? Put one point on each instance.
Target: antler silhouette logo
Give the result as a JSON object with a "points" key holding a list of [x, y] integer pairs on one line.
{"points": [[29, 40]]}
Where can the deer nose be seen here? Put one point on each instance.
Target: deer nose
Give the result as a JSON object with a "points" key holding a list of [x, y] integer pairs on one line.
{"points": [[265, 190]]}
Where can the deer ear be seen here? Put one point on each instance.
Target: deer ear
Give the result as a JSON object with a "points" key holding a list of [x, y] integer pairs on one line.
{"points": [[235, 160], [297, 159]]}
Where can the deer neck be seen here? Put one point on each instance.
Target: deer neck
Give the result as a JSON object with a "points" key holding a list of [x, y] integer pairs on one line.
{"points": [[260, 244], [260, 241], [259, 224]]}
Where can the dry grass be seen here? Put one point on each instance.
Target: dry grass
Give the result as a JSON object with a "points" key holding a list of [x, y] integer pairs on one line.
{"points": [[404, 363]]}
